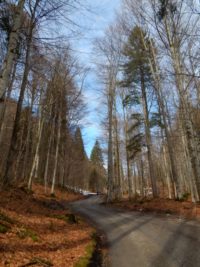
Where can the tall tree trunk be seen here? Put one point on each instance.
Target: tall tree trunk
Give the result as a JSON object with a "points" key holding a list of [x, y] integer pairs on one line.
{"points": [[8, 95], [10, 162], [35, 162], [167, 171], [110, 192], [56, 155], [192, 183], [117, 158], [140, 168], [26, 165], [157, 83], [130, 186], [134, 179], [148, 136], [12, 49], [184, 113], [48, 155]]}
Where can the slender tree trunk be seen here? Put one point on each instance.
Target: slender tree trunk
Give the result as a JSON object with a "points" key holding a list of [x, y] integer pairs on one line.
{"points": [[134, 180], [140, 167], [148, 136], [110, 195], [48, 156], [167, 174], [193, 188], [26, 165], [130, 186], [56, 155], [35, 162], [117, 158]]}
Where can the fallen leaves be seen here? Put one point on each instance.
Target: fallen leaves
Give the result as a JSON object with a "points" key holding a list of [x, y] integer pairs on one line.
{"points": [[41, 230], [185, 209]]}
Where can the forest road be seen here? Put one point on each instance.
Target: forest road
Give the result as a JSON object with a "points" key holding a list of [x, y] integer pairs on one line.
{"points": [[137, 239]]}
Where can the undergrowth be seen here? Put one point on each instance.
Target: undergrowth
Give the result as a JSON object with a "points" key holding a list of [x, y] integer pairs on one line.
{"points": [[5, 223], [24, 233]]}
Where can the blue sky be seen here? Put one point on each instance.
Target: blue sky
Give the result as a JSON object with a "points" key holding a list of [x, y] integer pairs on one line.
{"points": [[94, 24]]}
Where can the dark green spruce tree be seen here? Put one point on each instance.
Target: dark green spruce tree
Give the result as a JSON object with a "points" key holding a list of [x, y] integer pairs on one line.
{"points": [[80, 150], [81, 161], [97, 175], [96, 155]]}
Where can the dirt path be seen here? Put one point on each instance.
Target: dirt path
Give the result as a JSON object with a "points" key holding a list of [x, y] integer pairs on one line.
{"points": [[144, 240]]}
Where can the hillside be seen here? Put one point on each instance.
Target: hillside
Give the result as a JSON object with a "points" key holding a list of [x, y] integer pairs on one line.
{"points": [[36, 230]]}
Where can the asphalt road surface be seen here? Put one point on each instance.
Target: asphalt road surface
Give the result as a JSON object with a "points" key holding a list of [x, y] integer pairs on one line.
{"points": [[144, 240]]}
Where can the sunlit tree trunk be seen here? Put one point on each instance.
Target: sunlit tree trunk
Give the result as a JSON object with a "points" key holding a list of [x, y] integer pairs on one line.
{"points": [[110, 195], [185, 118], [118, 189], [34, 168], [160, 97], [128, 170], [48, 155], [26, 164], [148, 136], [56, 154]]}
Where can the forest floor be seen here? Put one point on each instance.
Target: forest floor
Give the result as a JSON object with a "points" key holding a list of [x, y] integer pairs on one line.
{"points": [[38, 230], [184, 209]]}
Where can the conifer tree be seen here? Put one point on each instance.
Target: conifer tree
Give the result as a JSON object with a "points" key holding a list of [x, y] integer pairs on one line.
{"points": [[80, 150], [80, 161], [97, 175], [96, 155], [137, 78]]}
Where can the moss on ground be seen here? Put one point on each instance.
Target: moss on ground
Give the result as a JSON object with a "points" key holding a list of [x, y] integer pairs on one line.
{"points": [[5, 223], [4, 229], [24, 233], [5, 218], [85, 260]]}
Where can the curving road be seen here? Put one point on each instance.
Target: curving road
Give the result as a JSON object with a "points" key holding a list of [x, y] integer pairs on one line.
{"points": [[144, 240]]}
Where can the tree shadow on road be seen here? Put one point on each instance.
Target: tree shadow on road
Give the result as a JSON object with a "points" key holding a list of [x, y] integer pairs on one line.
{"points": [[182, 249]]}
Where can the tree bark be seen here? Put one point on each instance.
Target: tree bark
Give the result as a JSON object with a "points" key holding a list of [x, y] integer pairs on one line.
{"points": [[48, 156], [185, 118], [10, 163], [148, 136], [110, 194], [12, 47], [130, 186], [157, 83], [35, 163], [56, 155]]}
